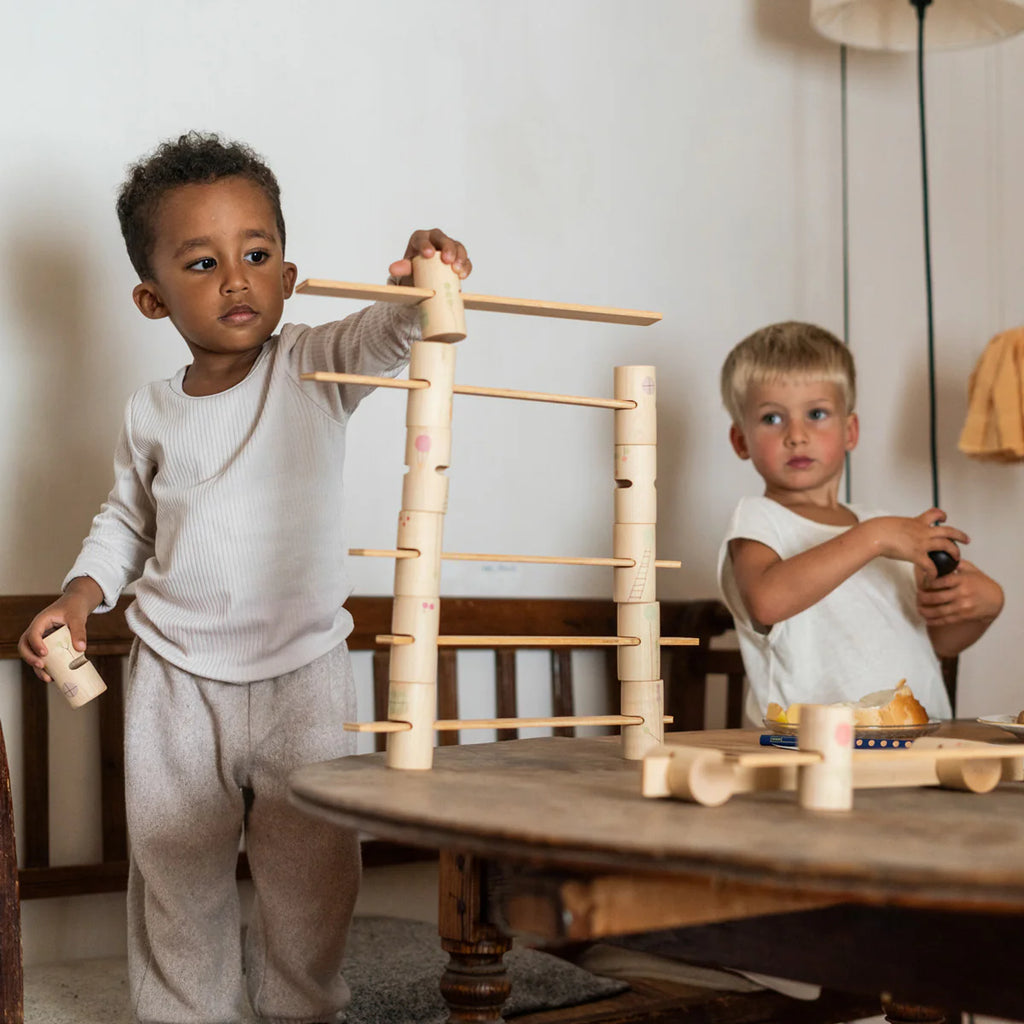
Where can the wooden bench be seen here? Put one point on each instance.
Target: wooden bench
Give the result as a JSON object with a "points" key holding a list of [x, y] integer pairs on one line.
{"points": [[686, 670]]}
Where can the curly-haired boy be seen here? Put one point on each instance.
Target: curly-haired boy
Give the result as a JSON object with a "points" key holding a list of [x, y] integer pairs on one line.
{"points": [[224, 511]]}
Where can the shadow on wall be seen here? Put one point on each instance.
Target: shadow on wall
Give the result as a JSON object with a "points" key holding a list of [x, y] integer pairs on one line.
{"points": [[955, 469], [690, 455], [786, 25], [911, 443], [60, 467]]}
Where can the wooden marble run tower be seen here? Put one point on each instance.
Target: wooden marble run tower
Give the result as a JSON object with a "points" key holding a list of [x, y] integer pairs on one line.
{"points": [[415, 636]]}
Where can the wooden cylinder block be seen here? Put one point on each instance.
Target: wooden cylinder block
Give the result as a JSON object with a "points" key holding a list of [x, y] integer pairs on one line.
{"points": [[415, 703], [702, 775], [431, 361], [827, 729], [645, 699], [634, 584], [442, 318], [428, 453], [639, 425], [419, 618], [636, 500], [643, 621], [421, 531], [75, 676], [981, 776]]}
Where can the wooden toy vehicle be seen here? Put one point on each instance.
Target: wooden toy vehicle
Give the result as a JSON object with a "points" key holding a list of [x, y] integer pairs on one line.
{"points": [[826, 769]]}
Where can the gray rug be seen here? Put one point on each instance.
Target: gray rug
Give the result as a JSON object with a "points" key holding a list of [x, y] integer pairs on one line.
{"points": [[78, 992], [407, 955], [393, 967]]}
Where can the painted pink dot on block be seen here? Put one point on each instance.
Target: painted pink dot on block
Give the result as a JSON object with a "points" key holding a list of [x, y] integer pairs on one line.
{"points": [[844, 734], [422, 443]]}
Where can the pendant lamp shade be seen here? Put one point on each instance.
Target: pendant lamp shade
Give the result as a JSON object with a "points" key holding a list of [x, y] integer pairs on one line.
{"points": [[892, 24]]}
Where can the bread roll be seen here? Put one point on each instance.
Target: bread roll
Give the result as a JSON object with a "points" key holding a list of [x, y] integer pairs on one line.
{"points": [[890, 707], [898, 706]]}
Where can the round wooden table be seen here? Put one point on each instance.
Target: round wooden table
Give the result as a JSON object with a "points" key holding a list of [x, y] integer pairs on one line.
{"points": [[575, 852]]}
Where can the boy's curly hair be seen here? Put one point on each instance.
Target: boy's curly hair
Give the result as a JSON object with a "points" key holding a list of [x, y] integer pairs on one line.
{"points": [[192, 158], [788, 349]]}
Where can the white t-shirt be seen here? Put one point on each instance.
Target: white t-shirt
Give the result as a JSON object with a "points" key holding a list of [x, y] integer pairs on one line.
{"points": [[865, 635], [227, 508]]}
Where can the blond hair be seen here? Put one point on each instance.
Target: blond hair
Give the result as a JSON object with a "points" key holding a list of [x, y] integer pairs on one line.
{"points": [[789, 349]]}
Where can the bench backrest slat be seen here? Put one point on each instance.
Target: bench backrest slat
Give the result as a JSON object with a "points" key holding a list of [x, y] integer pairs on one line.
{"points": [[381, 661], [114, 829], [505, 689], [447, 693], [562, 701], [35, 748]]}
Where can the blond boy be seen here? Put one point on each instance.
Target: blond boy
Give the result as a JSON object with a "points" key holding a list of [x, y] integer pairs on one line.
{"points": [[831, 601]]}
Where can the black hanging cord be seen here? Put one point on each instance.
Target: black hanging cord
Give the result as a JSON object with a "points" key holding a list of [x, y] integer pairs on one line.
{"points": [[919, 6], [846, 228]]}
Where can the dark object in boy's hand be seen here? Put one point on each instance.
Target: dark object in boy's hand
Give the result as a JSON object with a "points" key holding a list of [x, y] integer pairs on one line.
{"points": [[944, 562]]}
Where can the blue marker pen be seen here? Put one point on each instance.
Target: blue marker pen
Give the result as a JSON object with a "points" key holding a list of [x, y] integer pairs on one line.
{"points": [[790, 743]]}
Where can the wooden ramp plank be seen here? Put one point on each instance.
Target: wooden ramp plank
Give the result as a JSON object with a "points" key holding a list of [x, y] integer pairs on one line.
{"points": [[560, 310], [490, 303], [400, 294]]}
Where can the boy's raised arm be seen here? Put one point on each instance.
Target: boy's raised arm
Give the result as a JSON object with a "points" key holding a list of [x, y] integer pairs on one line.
{"points": [[774, 589]]}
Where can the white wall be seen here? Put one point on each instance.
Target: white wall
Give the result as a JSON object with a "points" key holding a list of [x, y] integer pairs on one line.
{"points": [[674, 156]]}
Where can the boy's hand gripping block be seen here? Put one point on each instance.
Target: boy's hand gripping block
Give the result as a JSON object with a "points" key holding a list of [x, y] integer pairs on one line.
{"points": [[76, 677]]}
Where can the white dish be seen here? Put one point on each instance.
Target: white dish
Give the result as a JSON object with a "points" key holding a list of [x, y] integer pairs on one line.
{"points": [[1007, 722], [867, 732]]}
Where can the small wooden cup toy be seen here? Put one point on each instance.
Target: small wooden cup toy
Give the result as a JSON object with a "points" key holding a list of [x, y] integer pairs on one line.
{"points": [[827, 730], [76, 677]]}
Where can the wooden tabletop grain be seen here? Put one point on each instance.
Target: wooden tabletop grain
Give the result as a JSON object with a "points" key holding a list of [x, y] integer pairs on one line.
{"points": [[575, 803]]}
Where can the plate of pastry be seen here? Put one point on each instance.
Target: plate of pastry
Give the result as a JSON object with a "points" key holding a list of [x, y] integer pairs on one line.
{"points": [[894, 714], [869, 732], [1011, 723]]}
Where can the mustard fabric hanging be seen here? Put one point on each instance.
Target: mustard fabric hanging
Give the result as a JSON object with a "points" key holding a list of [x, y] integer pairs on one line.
{"points": [[994, 428]]}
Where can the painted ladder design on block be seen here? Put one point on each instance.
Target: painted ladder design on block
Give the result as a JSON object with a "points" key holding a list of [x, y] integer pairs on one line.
{"points": [[637, 591]]}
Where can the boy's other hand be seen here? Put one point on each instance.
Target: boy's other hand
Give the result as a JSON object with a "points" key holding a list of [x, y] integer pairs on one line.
{"points": [[965, 595], [71, 609], [425, 243]]}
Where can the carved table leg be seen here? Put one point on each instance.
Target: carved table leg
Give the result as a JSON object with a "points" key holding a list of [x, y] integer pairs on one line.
{"points": [[475, 983], [906, 1013]]}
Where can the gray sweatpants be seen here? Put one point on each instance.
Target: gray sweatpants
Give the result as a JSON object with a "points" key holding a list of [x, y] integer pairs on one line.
{"points": [[191, 746]]}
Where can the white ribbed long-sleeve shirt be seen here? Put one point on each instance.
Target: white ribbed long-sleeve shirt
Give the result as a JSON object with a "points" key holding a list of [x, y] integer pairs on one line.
{"points": [[226, 508]]}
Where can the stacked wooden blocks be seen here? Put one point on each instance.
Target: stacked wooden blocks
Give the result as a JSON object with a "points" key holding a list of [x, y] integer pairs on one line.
{"points": [[634, 533], [415, 636]]}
